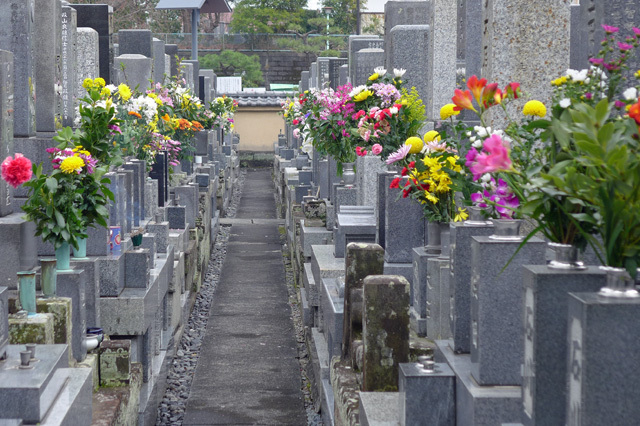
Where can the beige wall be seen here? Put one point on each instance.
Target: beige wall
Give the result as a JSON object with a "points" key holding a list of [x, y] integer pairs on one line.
{"points": [[258, 127]]}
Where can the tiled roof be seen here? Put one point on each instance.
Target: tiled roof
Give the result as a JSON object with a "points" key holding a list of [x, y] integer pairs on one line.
{"points": [[265, 99]]}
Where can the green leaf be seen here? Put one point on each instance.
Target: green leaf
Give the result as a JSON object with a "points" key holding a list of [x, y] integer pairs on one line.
{"points": [[59, 219], [52, 184]]}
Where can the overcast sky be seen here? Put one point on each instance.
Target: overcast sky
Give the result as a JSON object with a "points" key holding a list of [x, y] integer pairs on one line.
{"points": [[373, 6]]}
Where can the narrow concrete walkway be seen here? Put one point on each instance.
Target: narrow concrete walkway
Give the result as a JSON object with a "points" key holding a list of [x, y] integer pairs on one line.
{"points": [[247, 373]]}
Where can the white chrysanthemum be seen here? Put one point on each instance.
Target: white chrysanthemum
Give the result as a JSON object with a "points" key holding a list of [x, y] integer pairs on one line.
{"points": [[112, 88], [472, 139], [483, 132], [477, 144], [397, 73], [631, 94], [356, 90], [393, 110], [380, 71], [577, 75], [468, 134], [564, 103], [486, 178]]}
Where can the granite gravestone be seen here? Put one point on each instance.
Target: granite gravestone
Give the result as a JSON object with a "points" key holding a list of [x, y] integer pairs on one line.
{"points": [[68, 58], [366, 60], [172, 51], [323, 72], [623, 14], [442, 59], [359, 42], [100, 18], [544, 376], [403, 13], [6, 125], [17, 35], [48, 38], [134, 70], [528, 44], [496, 307], [135, 42], [87, 58], [334, 71]]}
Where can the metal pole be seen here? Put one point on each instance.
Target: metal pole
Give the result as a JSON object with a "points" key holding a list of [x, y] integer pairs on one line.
{"points": [[195, 17], [327, 29]]}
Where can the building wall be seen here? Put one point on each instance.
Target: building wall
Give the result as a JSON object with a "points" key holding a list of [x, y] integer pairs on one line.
{"points": [[258, 127]]}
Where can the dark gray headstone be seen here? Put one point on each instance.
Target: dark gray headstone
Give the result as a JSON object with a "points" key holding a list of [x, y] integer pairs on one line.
{"points": [[344, 75], [404, 13], [47, 32], [17, 35], [496, 307], [172, 51], [413, 51], [159, 171], [334, 71], [359, 42], [365, 61], [68, 58], [135, 42], [100, 18], [304, 81], [427, 398], [196, 73], [603, 344], [460, 282], [323, 72], [158, 60], [546, 301], [404, 226], [72, 285]]}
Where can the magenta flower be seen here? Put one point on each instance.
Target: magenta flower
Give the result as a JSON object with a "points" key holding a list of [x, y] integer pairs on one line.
{"points": [[376, 149], [636, 31], [620, 104], [115, 129], [624, 46], [493, 158], [609, 29]]}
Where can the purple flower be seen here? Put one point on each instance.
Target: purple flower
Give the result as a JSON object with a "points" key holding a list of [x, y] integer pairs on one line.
{"points": [[620, 104], [596, 61]]}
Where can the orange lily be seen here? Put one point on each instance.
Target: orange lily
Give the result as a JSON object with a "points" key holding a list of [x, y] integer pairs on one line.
{"points": [[512, 90], [476, 86], [462, 100], [634, 112], [135, 114]]}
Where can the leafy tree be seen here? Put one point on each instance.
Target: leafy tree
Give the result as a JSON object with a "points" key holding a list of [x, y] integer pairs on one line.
{"points": [[266, 16], [229, 63], [140, 14], [344, 14]]}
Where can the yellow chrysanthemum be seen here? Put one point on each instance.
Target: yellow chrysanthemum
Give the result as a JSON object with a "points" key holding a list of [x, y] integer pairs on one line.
{"points": [[362, 95], [105, 92], [99, 82], [374, 76], [447, 111], [461, 215], [72, 165], [124, 92], [415, 143], [431, 136], [430, 197], [87, 83], [560, 81], [431, 162], [536, 108], [637, 74]]}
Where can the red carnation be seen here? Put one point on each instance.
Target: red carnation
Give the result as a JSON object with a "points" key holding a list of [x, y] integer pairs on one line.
{"points": [[395, 183], [16, 171]]}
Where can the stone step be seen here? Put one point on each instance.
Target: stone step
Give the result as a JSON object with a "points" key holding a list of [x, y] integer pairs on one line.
{"points": [[73, 402]]}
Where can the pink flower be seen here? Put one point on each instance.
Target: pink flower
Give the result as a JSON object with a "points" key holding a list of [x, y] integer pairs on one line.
{"points": [[596, 61], [360, 151], [624, 46], [16, 171], [609, 29], [493, 158], [636, 31], [399, 154], [376, 149]]}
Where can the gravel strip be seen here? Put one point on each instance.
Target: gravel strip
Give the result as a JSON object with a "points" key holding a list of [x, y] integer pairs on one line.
{"points": [[172, 407]]}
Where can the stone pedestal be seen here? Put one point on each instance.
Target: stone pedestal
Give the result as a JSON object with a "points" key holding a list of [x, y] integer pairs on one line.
{"points": [[427, 398], [545, 335], [603, 344], [497, 306]]}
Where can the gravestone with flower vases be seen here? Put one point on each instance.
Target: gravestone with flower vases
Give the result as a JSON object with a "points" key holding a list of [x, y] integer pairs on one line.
{"points": [[334, 71], [68, 97], [359, 42], [48, 40], [364, 63], [134, 70], [157, 47], [87, 57]]}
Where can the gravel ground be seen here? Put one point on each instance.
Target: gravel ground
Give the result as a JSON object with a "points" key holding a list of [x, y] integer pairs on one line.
{"points": [[172, 407]]}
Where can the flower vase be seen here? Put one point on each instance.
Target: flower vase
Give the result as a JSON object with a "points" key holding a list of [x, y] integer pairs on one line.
{"points": [[81, 251], [48, 277], [567, 257], [63, 256], [445, 240], [348, 174], [27, 291], [433, 238], [136, 240], [619, 284], [506, 230], [476, 217]]}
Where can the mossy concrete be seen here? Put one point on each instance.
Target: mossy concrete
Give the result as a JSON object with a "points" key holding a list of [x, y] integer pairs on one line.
{"points": [[60, 308], [120, 405], [344, 383], [35, 329]]}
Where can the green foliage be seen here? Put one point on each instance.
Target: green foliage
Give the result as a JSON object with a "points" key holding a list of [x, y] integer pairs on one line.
{"points": [[344, 14], [266, 17], [415, 110], [229, 62], [140, 14]]}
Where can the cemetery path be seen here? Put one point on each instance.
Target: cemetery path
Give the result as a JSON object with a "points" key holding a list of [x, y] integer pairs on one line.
{"points": [[247, 371]]}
